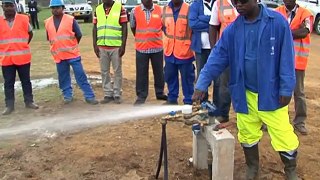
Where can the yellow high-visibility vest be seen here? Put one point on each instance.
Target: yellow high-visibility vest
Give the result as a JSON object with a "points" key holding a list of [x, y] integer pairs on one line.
{"points": [[109, 31]]}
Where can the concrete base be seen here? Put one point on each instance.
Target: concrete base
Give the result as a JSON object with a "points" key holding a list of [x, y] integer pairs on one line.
{"points": [[222, 145]]}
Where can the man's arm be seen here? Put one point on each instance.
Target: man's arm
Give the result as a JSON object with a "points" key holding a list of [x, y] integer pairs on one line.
{"points": [[30, 33], [94, 38], [214, 27], [196, 22], [124, 30], [213, 34], [30, 36], [133, 22], [287, 65], [77, 31], [304, 29]]}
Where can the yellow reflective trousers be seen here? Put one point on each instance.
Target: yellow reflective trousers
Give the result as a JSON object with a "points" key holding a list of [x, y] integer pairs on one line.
{"points": [[280, 130]]}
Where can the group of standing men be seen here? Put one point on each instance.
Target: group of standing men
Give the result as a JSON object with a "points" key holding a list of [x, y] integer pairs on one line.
{"points": [[260, 60]]}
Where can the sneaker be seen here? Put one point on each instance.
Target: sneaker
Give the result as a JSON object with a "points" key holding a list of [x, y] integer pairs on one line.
{"points": [[92, 101], [117, 100], [162, 97], [170, 103], [301, 129], [139, 102], [106, 100]]}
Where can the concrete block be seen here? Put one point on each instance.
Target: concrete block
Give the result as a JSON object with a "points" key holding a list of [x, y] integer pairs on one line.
{"points": [[222, 144]]}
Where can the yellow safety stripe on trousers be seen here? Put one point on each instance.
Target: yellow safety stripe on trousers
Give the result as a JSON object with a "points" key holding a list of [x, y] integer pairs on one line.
{"points": [[109, 27], [62, 37], [15, 53], [55, 52], [14, 40], [148, 39]]}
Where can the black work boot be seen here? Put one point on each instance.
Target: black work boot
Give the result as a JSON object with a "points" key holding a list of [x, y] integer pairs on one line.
{"points": [[8, 110], [252, 160], [290, 164]]}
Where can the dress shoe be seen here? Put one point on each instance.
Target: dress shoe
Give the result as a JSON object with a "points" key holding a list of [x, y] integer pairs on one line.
{"points": [[106, 99], [8, 111], [170, 103], [301, 129], [139, 102], [162, 97], [32, 106], [92, 101], [117, 100]]}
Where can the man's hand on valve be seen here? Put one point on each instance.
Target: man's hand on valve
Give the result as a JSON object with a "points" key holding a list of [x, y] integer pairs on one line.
{"points": [[198, 95]]}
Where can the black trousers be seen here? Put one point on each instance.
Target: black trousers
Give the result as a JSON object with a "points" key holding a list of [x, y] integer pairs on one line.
{"points": [[142, 73], [34, 19], [9, 75]]}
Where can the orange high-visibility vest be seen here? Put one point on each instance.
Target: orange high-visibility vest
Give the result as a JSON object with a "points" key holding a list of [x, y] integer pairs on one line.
{"points": [[14, 47], [64, 44], [226, 14], [148, 35], [177, 39], [301, 46]]}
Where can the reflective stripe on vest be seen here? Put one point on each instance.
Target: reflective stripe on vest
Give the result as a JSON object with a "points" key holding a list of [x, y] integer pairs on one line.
{"points": [[148, 35], [226, 14], [14, 47], [177, 39], [301, 46], [64, 44], [109, 31], [14, 40]]}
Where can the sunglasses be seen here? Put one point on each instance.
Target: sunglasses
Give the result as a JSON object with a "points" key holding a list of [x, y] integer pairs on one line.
{"points": [[241, 1]]}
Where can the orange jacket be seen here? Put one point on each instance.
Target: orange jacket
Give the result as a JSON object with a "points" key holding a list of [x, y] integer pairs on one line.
{"points": [[301, 46], [14, 47], [148, 35], [226, 14], [177, 39], [64, 44]]}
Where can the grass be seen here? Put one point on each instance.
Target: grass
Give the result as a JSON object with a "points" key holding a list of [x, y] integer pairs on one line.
{"points": [[42, 64]]}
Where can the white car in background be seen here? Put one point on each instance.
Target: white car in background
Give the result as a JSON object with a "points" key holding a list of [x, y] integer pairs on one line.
{"points": [[80, 9]]}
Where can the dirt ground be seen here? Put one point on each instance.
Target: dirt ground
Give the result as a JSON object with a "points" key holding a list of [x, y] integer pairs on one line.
{"points": [[129, 150]]}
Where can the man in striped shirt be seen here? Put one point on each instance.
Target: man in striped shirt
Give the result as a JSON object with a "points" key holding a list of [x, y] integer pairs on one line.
{"points": [[145, 23]]}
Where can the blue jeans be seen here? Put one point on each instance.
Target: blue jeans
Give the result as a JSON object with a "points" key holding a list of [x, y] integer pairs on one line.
{"points": [[63, 69], [171, 75]]}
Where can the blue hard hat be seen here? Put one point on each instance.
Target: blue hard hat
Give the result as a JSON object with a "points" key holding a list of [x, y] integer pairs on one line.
{"points": [[54, 3]]}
